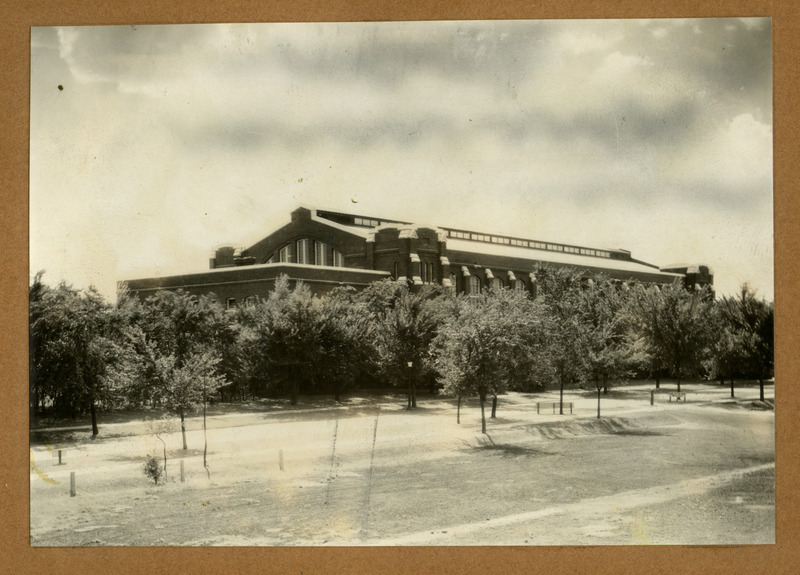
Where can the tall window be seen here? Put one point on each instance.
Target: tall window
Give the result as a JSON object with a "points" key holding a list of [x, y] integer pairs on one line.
{"points": [[338, 259], [426, 271], [285, 255], [519, 285], [497, 283], [320, 254], [302, 251], [474, 285]]}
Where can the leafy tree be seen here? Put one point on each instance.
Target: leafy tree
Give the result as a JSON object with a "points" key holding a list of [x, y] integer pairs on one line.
{"points": [[752, 320], [347, 336], [725, 351], [73, 355], [610, 351], [675, 324], [406, 322], [177, 338], [559, 292], [482, 347], [289, 332]]}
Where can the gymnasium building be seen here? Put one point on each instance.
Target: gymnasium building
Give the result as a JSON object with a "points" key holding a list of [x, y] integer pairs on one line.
{"points": [[325, 249]]}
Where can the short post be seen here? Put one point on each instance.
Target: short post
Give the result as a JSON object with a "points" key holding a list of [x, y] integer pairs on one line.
{"points": [[59, 457], [182, 475], [280, 458], [537, 408], [72, 484], [652, 397]]}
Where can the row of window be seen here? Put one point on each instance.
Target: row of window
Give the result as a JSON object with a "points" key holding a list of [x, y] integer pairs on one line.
{"points": [[526, 243], [304, 251], [476, 285], [367, 222], [230, 303]]}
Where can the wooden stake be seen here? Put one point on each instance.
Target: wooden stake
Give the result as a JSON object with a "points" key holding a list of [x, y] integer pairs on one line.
{"points": [[72, 484], [182, 477]]}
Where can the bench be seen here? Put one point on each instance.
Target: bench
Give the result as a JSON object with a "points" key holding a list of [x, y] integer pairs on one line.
{"points": [[677, 395], [554, 405]]}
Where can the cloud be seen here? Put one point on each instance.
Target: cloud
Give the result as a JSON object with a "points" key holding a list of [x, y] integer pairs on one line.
{"points": [[178, 138]]}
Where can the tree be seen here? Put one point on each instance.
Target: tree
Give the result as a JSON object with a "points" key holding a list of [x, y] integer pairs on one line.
{"points": [[72, 352], [610, 352], [289, 332], [346, 339], [159, 427], [726, 349], [177, 338], [752, 320], [486, 343], [559, 290], [675, 323], [407, 322]]}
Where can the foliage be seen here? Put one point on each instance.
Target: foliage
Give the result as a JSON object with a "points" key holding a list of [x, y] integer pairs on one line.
{"points": [[674, 324], [559, 292], [484, 347], [611, 350], [152, 468], [406, 323], [74, 355]]}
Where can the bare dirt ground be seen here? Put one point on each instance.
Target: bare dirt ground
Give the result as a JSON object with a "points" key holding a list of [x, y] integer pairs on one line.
{"points": [[369, 472]]}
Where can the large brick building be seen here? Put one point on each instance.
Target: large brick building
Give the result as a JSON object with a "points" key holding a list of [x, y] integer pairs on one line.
{"points": [[325, 249]]}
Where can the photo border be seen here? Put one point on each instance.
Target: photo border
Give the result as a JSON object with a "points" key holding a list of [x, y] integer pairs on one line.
{"points": [[15, 550]]}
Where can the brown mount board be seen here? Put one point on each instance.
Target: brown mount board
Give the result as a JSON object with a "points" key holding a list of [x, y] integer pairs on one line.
{"points": [[16, 556]]}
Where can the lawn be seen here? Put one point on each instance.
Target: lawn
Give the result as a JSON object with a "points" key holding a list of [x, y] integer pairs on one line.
{"points": [[369, 472]]}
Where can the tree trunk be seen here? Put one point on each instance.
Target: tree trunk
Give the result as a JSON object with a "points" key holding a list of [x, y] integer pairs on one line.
{"points": [[561, 398], [458, 410], [164, 447], [483, 414], [761, 388], [336, 397], [731, 386], [205, 440], [93, 411], [183, 431], [414, 378], [494, 406], [598, 403], [295, 387]]}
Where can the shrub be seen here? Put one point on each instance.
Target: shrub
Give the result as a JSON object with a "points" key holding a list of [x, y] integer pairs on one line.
{"points": [[153, 469]]}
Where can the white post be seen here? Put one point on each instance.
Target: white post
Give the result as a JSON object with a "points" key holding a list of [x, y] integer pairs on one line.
{"points": [[72, 484]]}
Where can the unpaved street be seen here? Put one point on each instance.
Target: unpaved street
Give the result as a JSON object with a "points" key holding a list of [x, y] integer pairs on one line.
{"points": [[374, 474]]}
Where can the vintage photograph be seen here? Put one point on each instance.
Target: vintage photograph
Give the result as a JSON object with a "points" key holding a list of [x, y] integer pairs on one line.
{"points": [[442, 283]]}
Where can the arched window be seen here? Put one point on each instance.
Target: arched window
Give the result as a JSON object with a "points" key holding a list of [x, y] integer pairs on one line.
{"points": [[519, 285], [497, 283]]}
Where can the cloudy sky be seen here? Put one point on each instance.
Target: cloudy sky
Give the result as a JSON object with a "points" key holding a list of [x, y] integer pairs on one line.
{"points": [[152, 145]]}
